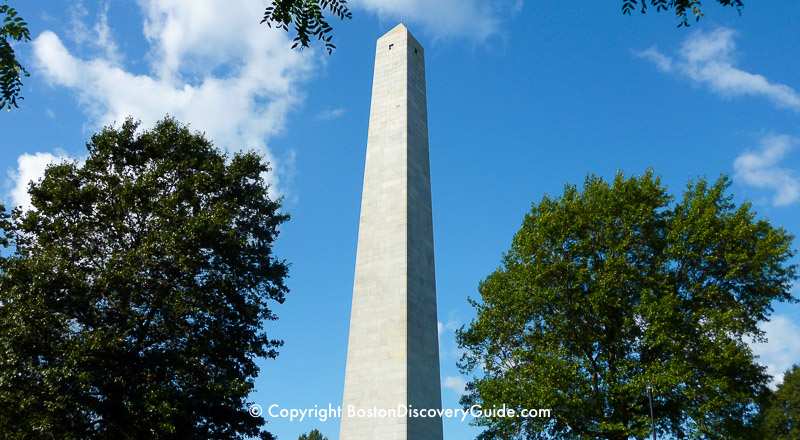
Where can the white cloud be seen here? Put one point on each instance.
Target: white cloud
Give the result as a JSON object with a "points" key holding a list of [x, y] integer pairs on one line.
{"points": [[448, 349], [782, 349], [708, 59], [99, 36], [30, 168], [329, 115], [761, 169], [473, 19], [455, 383], [662, 61], [211, 63], [452, 325]]}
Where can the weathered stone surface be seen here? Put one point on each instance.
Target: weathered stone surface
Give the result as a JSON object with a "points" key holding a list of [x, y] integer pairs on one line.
{"points": [[393, 353]]}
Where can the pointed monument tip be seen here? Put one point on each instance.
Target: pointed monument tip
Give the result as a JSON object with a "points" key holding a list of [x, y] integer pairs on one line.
{"points": [[399, 28], [399, 32]]}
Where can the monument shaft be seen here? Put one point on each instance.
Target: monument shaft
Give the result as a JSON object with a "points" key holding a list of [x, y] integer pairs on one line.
{"points": [[393, 351]]}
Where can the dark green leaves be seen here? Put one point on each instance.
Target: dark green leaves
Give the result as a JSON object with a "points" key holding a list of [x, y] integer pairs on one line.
{"points": [[133, 304], [314, 434], [307, 17], [780, 419], [682, 7], [308, 20], [13, 28], [613, 286]]}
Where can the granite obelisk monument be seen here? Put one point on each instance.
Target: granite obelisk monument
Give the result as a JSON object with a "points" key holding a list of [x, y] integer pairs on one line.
{"points": [[393, 351]]}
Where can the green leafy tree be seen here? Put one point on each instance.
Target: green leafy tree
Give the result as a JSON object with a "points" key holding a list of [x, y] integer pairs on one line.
{"points": [[780, 417], [314, 434], [13, 28], [612, 288], [133, 303], [308, 19]]}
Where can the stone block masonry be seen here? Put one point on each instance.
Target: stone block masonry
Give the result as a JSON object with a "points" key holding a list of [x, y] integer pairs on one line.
{"points": [[393, 349]]}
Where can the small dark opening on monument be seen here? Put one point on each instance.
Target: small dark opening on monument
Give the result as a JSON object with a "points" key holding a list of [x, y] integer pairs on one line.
{"points": [[415, 50], [390, 46]]}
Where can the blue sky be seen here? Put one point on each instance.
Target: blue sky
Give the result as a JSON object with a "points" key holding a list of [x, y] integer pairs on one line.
{"points": [[523, 97]]}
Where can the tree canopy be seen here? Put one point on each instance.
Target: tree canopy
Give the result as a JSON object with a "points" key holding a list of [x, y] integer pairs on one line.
{"points": [[613, 287], [780, 417], [133, 303], [13, 28], [314, 434]]}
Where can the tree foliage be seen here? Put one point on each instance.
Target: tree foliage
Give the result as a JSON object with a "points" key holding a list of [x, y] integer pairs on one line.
{"points": [[132, 305], [682, 8], [307, 18], [613, 287], [314, 434], [13, 28], [780, 417]]}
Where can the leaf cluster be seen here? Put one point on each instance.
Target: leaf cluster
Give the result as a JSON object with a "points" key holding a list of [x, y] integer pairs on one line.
{"points": [[780, 418], [614, 287], [134, 301], [314, 434], [681, 7], [14, 28], [307, 18]]}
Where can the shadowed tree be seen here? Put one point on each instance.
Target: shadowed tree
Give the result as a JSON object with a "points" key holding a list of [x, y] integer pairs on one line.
{"points": [[133, 303], [611, 288]]}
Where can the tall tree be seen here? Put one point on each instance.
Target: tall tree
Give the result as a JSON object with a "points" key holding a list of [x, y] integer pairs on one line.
{"points": [[13, 28], [134, 301], [314, 434], [780, 419], [308, 19], [612, 288]]}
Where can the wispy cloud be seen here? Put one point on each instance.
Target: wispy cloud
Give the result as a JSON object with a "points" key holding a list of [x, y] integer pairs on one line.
{"points": [[455, 383], [451, 326], [97, 35], [448, 348], [709, 59], [782, 348], [762, 169], [211, 65], [662, 61], [329, 115], [473, 19]]}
